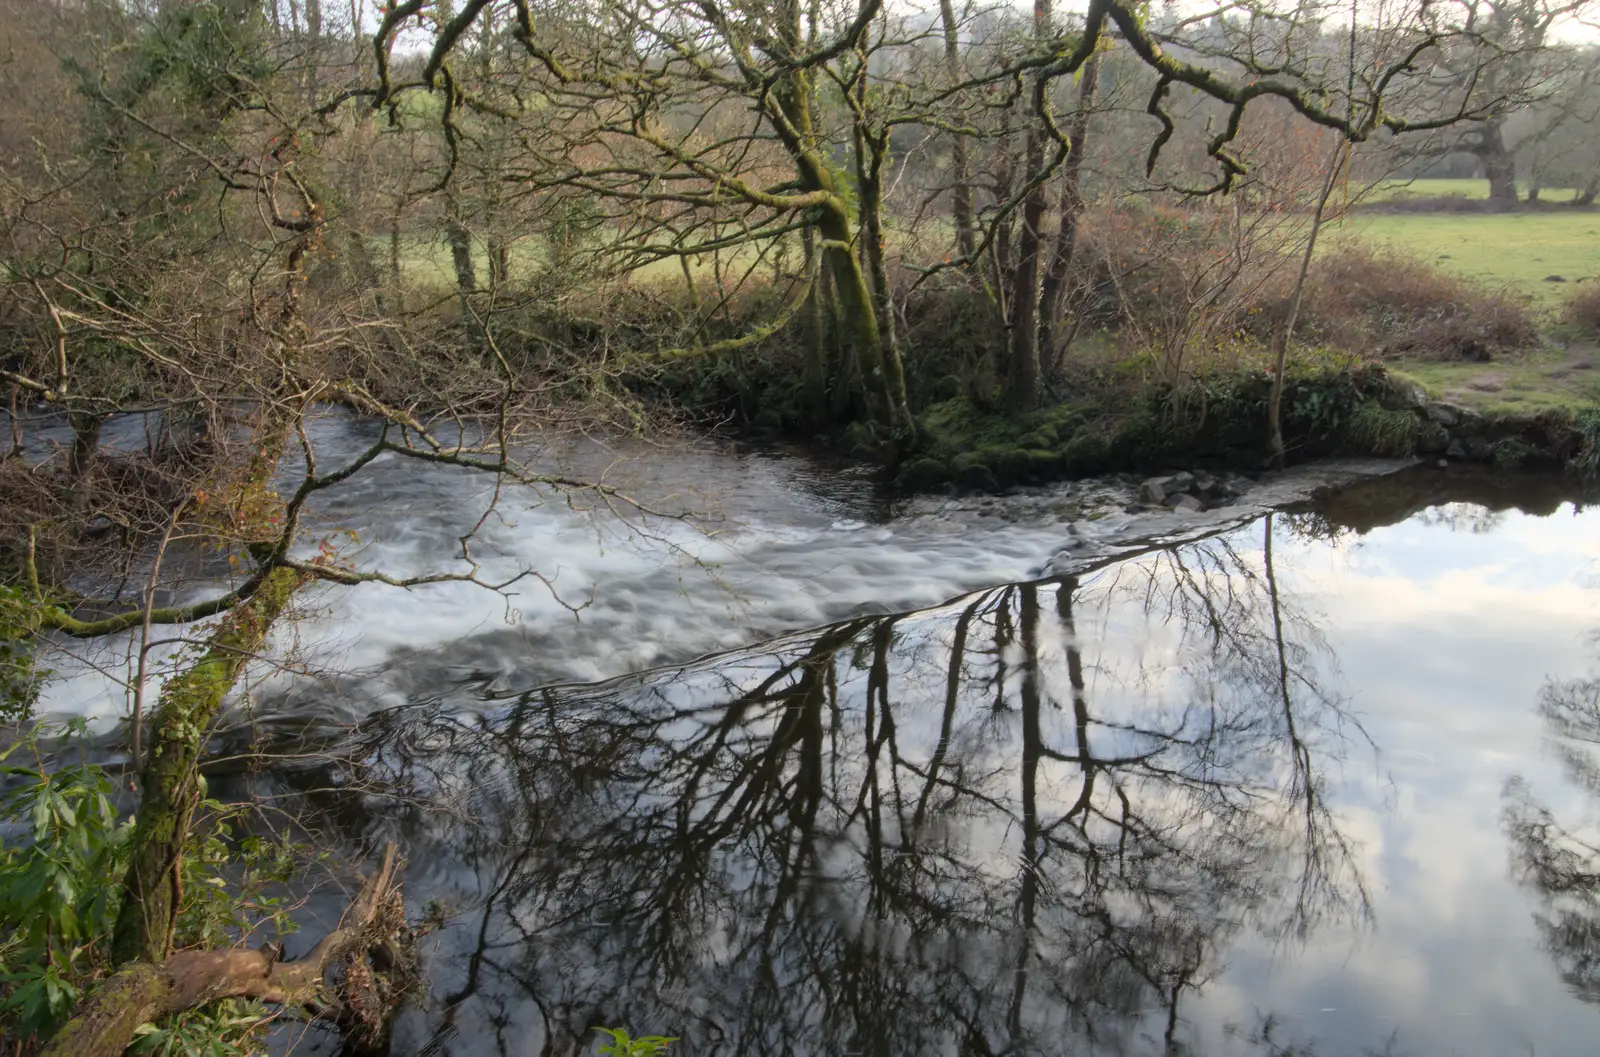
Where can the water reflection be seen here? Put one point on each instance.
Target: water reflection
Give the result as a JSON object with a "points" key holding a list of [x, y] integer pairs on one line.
{"points": [[1030, 820], [1556, 853]]}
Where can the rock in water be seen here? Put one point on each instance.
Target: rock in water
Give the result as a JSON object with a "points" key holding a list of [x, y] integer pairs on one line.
{"points": [[1155, 490]]}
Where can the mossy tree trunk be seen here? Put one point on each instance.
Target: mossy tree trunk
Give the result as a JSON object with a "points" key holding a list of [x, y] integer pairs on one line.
{"points": [[81, 456], [816, 322], [170, 785], [1499, 166], [367, 959], [872, 149], [1022, 378], [459, 239], [789, 108], [1052, 294], [961, 167]]}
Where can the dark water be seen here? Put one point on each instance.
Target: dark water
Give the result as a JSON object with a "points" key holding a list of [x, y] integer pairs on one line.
{"points": [[1324, 782]]}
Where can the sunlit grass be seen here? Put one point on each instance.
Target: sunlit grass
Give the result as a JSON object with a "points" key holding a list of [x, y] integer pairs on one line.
{"points": [[1539, 380], [1515, 250]]}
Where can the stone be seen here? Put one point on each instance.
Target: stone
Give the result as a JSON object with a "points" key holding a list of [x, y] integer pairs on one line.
{"points": [[1555, 278], [970, 472], [1156, 489], [1444, 414], [1181, 482], [924, 472], [1411, 395], [1443, 463], [1455, 450], [1432, 438], [1188, 504]]}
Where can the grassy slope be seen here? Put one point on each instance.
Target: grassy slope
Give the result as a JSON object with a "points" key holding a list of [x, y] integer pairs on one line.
{"points": [[1512, 250], [1535, 381]]}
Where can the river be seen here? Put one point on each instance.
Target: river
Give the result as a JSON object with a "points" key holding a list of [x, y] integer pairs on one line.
{"points": [[825, 773]]}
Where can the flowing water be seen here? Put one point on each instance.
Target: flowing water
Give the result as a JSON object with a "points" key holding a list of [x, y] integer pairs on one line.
{"points": [[1031, 775]]}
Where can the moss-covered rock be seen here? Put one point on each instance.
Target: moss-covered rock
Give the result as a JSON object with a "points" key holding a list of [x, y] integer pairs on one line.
{"points": [[923, 472], [1039, 438], [1086, 454], [970, 471]]}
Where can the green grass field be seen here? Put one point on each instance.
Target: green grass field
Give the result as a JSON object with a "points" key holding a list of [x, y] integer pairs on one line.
{"points": [[1514, 250], [1475, 189]]}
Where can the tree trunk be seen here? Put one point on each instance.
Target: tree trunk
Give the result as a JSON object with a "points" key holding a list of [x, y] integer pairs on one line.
{"points": [[871, 151], [460, 242], [1500, 167], [858, 317], [1280, 352], [169, 783], [816, 322], [790, 111], [1587, 196], [499, 262], [961, 168], [1053, 292], [1022, 376], [80, 457], [396, 280]]}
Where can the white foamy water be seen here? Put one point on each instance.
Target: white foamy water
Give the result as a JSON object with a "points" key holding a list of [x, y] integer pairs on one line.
{"points": [[773, 543]]}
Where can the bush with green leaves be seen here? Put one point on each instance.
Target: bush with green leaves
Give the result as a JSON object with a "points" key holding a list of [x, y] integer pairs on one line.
{"points": [[20, 673], [62, 857], [55, 903]]}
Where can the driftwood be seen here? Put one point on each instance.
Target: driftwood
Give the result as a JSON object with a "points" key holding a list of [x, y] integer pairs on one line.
{"points": [[347, 977]]}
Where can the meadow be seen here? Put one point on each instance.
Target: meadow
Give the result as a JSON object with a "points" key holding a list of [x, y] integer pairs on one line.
{"points": [[1535, 254], [1472, 189]]}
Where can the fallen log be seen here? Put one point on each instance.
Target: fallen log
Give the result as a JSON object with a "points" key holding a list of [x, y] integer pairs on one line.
{"points": [[354, 975]]}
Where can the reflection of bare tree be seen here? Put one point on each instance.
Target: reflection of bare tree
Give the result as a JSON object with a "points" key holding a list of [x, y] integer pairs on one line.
{"points": [[993, 827], [1561, 863]]}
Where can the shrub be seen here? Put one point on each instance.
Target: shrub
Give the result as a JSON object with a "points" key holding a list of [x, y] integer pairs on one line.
{"points": [[1582, 309], [1388, 304], [1375, 429], [1184, 281], [65, 845], [1587, 460]]}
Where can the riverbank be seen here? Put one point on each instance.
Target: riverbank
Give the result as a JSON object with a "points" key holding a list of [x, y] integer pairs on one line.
{"points": [[1359, 411], [1331, 407]]}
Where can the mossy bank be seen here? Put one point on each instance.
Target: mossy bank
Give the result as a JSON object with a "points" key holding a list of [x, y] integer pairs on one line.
{"points": [[1223, 425], [1220, 423]]}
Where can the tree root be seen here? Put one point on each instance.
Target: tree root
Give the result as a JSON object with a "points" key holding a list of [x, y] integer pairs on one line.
{"points": [[355, 976]]}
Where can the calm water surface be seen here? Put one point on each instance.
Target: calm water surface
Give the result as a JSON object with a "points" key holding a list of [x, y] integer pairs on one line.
{"points": [[1324, 782]]}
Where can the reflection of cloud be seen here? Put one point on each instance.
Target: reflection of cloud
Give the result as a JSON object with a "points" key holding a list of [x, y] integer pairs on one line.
{"points": [[1445, 639]]}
